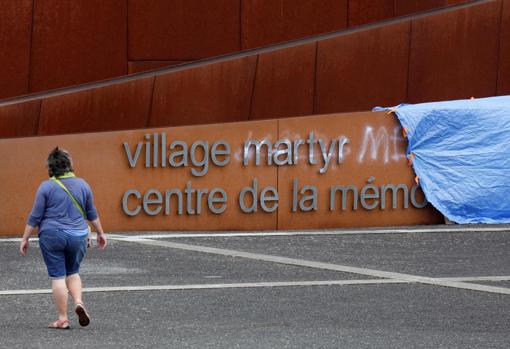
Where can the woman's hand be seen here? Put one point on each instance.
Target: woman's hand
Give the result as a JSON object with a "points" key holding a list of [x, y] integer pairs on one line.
{"points": [[101, 237], [23, 247], [101, 240]]}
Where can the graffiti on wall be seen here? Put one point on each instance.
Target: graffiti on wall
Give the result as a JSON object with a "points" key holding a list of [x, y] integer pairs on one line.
{"points": [[376, 144]]}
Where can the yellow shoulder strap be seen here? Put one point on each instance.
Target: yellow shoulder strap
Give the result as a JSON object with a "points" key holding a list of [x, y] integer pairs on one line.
{"points": [[70, 195]]}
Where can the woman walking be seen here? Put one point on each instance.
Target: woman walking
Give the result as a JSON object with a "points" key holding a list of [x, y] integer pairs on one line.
{"points": [[62, 206]]}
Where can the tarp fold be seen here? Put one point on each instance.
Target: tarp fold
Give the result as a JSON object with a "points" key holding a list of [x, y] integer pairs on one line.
{"points": [[462, 156]]}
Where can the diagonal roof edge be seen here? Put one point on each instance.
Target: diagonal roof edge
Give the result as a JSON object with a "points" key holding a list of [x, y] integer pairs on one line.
{"points": [[232, 56]]}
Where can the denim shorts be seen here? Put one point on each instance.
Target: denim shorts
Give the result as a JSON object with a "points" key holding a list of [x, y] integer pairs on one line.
{"points": [[62, 252]]}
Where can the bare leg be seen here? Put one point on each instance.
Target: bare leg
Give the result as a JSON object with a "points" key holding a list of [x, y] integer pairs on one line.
{"points": [[74, 285], [60, 297]]}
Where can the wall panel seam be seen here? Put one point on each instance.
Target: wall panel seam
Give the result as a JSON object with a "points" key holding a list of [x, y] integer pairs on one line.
{"points": [[254, 84], [149, 114], [39, 121], [36, 124], [348, 17], [241, 24], [314, 94], [30, 54], [409, 56], [498, 52], [126, 65]]}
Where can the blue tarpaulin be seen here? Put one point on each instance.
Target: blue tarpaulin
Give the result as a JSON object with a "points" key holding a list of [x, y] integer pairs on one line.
{"points": [[462, 156]]}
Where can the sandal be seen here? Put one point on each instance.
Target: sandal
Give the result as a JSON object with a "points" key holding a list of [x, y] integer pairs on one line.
{"points": [[60, 324], [83, 316]]}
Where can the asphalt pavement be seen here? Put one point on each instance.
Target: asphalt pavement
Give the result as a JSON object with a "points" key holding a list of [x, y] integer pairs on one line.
{"points": [[421, 287]]}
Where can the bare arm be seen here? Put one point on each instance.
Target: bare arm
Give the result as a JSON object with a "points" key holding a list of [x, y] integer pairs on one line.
{"points": [[34, 219], [101, 237], [24, 239]]}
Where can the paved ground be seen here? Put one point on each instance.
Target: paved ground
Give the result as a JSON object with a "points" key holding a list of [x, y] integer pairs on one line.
{"points": [[444, 288]]}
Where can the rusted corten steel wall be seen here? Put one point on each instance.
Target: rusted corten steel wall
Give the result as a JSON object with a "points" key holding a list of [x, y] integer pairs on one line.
{"points": [[371, 155], [460, 53], [504, 51], [15, 39], [47, 44]]}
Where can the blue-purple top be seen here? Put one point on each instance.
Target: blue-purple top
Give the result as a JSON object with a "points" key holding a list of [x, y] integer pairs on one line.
{"points": [[54, 209]]}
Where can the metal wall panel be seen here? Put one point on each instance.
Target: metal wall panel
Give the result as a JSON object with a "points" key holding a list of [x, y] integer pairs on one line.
{"points": [[182, 29], [81, 41], [368, 11], [101, 160], [362, 70], [362, 158], [270, 21], [504, 51], [405, 7], [115, 107], [77, 41], [19, 120], [15, 33], [353, 71], [284, 83], [455, 54], [219, 92]]}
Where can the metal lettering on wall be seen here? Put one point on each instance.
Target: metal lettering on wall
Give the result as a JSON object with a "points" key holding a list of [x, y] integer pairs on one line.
{"points": [[156, 152]]}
